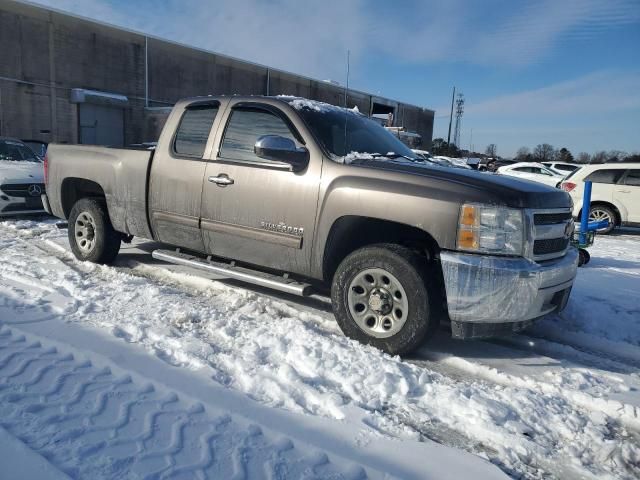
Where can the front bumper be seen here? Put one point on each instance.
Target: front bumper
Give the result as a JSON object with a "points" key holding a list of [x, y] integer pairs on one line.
{"points": [[484, 290]]}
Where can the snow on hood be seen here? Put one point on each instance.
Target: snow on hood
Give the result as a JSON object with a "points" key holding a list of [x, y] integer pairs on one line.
{"points": [[21, 172]]}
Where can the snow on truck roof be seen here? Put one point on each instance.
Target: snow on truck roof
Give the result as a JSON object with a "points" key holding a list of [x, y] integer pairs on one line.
{"points": [[300, 103]]}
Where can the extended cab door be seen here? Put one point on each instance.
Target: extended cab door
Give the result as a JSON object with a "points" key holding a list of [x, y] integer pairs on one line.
{"points": [[177, 170], [627, 193], [254, 210]]}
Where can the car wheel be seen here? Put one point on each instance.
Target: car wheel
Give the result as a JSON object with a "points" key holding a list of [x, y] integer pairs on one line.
{"points": [[382, 295], [598, 213], [91, 235]]}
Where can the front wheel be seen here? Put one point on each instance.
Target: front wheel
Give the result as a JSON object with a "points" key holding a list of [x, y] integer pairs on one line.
{"points": [[383, 296], [91, 235]]}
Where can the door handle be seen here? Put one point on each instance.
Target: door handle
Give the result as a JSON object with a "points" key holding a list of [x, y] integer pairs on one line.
{"points": [[624, 191], [221, 180]]}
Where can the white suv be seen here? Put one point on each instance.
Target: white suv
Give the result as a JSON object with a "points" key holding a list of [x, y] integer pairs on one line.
{"points": [[615, 194]]}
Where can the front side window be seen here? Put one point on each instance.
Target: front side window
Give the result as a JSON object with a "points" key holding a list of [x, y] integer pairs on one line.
{"points": [[524, 169], [245, 127], [633, 178], [609, 176], [193, 131], [13, 151]]}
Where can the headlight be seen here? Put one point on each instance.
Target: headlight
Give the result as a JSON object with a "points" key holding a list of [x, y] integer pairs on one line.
{"points": [[490, 229]]}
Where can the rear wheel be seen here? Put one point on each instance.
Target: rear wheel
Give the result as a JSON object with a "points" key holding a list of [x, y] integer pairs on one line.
{"points": [[91, 235], [598, 213], [382, 295]]}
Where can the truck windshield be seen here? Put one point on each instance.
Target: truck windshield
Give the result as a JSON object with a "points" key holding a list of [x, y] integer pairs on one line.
{"points": [[16, 152], [347, 133]]}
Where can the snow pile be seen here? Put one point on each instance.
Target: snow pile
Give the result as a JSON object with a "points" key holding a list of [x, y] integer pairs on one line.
{"points": [[95, 406], [294, 357]]}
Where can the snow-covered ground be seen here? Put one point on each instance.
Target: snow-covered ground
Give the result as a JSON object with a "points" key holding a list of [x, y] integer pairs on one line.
{"points": [[146, 370]]}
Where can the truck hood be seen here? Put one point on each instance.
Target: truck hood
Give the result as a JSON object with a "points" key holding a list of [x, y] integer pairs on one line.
{"points": [[509, 191], [21, 172]]}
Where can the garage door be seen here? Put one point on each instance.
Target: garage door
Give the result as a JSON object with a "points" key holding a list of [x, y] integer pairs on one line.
{"points": [[101, 125]]}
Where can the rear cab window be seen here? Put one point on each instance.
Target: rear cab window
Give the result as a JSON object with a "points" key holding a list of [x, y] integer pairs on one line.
{"points": [[193, 131]]}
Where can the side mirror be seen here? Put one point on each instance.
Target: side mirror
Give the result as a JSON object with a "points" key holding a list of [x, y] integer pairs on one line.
{"points": [[282, 149]]}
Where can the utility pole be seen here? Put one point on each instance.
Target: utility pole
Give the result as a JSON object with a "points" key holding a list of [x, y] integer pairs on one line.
{"points": [[458, 127], [453, 96]]}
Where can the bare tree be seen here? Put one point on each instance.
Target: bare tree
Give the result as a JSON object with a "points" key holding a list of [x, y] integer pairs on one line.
{"points": [[616, 156], [544, 153], [491, 150], [583, 157], [599, 157], [523, 154]]}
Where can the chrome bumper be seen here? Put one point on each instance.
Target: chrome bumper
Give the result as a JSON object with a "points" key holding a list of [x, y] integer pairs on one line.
{"points": [[490, 289]]}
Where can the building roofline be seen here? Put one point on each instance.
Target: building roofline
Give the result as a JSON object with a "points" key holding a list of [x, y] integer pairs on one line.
{"points": [[203, 50]]}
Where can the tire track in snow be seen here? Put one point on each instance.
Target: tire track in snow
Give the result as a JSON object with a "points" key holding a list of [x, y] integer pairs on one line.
{"points": [[91, 423]]}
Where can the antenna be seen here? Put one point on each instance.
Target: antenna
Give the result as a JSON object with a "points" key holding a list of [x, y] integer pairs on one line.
{"points": [[453, 96], [346, 92]]}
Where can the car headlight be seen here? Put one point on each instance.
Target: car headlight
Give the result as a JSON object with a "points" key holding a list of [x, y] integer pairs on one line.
{"points": [[490, 229]]}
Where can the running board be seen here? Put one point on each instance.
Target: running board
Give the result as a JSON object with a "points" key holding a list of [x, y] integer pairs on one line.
{"points": [[230, 270]]}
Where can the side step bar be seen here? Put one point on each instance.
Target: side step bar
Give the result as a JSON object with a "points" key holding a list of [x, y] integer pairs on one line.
{"points": [[230, 270]]}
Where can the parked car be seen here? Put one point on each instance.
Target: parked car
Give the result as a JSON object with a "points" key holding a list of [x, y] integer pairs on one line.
{"points": [[615, 193], [21, 178], [302, 197], [562, 168], [531, 171], [38, 146]]}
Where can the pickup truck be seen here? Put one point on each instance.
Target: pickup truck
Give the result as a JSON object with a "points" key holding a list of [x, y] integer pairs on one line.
{"points": [[309, 198]]}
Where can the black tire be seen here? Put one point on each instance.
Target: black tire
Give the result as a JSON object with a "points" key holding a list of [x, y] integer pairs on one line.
{"points": [[416, 279], [105, 242], [603, 210], [583, 257]]}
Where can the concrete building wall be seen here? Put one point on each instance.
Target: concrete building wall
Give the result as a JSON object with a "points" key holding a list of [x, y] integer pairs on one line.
{"points": [[45, 54]]}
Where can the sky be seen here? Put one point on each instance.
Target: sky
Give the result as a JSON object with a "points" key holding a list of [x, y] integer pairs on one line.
{"points": [[564, 72]]}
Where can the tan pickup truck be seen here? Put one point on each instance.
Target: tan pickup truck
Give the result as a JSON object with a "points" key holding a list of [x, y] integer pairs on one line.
{"points": [[305, 197]]}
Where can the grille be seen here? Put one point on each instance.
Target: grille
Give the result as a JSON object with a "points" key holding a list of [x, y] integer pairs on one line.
{"points": [[551, 218], [552, 245], [19, 189]]}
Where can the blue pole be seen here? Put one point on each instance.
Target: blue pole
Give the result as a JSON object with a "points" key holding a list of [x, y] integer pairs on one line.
{"points": [[586, 207]]}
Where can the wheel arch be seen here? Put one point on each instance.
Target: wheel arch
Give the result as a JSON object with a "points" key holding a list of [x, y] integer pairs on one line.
{"points": [[73, 189], [351, 232]]}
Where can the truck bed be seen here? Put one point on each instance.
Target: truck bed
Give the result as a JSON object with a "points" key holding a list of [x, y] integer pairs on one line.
{"points": [[121, 173]]}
